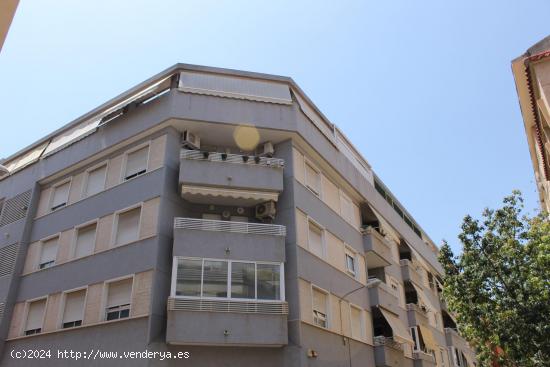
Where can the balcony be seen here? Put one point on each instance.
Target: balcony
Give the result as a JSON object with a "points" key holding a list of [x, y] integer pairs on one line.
{"points": [[423, 359], [377, 248], [229, 179], [226, 322], [224, 239], [417, 315], [411, 272], [388, 352], [382, 295], [453, 338]]}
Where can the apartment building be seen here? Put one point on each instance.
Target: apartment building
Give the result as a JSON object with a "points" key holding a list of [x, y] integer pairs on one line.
{"points": [[215, 212], [532, 76]]}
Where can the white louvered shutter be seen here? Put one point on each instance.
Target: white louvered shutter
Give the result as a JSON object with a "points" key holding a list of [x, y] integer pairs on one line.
{"points": [[119, 293], [74, 306]]}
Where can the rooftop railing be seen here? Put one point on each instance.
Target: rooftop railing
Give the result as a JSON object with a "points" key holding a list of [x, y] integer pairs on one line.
{"points": [[232, 158], [228, 226]]}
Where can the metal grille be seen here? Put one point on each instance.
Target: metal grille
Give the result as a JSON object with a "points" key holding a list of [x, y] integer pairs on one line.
{"points": [[228, 226], [231, 158], [8, 255], [185, 304], [2, 307], [15, 208]]}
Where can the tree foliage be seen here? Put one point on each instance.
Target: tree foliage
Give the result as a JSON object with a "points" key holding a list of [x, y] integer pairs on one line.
{"points": [[499, 286]]}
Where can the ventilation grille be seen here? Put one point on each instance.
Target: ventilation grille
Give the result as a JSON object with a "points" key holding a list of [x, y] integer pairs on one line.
{"points": [[15, 208], [8, 255], [183, 304], [2, 307]]}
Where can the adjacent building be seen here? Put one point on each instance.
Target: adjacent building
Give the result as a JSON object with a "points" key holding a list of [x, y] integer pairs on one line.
{"points": [[219, 213], [532, 76]]}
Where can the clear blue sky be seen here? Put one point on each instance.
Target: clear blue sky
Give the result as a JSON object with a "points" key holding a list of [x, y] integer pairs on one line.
{"points": [[424, 89]]}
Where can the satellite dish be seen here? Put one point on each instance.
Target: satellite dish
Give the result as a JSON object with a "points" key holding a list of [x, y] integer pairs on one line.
{"points": [[4, 171]]}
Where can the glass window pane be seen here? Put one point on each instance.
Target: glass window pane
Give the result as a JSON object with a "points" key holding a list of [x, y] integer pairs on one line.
{"points": [[243, 282], [269, 286], [214, 279], [188, 279]]}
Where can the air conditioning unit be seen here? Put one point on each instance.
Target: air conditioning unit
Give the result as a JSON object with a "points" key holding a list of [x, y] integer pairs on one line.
{"points": [[266, 210], [190, 140], [265, 149]]}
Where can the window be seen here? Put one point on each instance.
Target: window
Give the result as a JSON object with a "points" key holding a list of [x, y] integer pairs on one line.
{"points": [[85, 240], [60, 196], [315, 239], [313, 179], [243, 280], [136, 163], [35, 317], [127, 226], [74, 309], [414, 333], [1, 205], [214, 279], [119, 294], [96, 180], [210, 278], [350, 262], [357, 324], [346, 207], [269, 281], [188, 279], [48, 253], [319, 300]]}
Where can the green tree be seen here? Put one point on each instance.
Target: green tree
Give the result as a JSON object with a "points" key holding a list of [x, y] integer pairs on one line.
{"points": [[499, 286]]}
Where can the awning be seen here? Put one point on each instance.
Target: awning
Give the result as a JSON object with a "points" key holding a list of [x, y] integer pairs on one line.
{"points": [[400, 332], [428, 337], [191, 192], [425, 299]]}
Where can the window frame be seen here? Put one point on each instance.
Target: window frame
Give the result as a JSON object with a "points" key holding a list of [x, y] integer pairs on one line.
{"points": [[352, 254], [53, 188], [23, 329], [363, 335], [134, 149], [75, 237], [42, 241], [87, 178], [63, 304], [105, 296], [313, 166], [228, 283], [311, 221], [327, 306], [117, 214]]}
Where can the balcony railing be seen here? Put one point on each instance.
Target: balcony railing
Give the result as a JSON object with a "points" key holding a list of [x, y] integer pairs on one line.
{"points": [[388, 342], [224, 305], [425, 355], [228, 226], [231, 158]]}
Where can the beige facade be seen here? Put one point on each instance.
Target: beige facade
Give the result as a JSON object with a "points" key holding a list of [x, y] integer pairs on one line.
{"points": [[532, 76]]}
